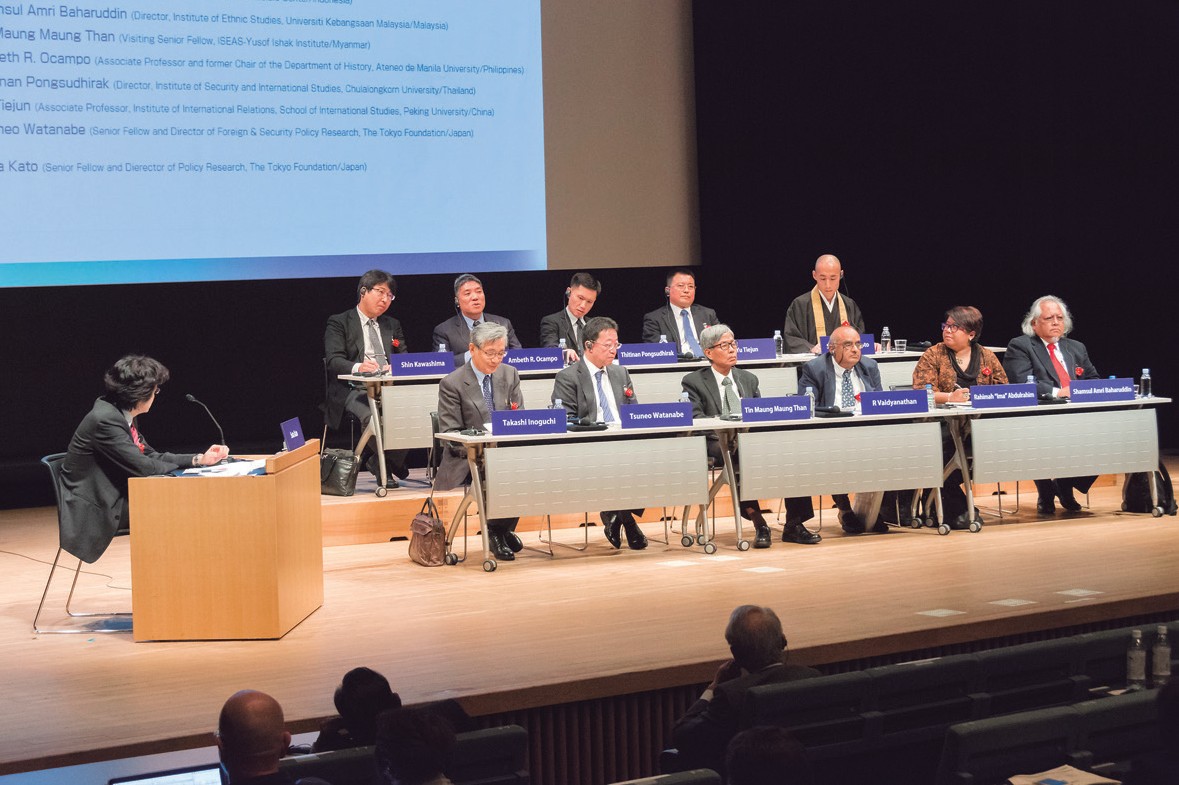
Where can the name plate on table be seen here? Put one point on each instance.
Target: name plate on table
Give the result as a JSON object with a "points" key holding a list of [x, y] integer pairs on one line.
{"points": [[527, 422], [997, 396], [785, 407], [647, 353], [894, 402], [1101, 390], [421, 363], [535, 359], [756, 349], [656, 415], [867, 343]]}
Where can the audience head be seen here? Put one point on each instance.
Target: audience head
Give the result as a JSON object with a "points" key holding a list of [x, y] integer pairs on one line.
{"points": [[755, 637], [412, 746], [468, 295], [362, 695], [1049, 318], [251, 736], [962, 326], [720, 347], [582, 293], [489, 342], [375, 293], [681, 288], [828, 273], [133, 381], [601, 340], [767, 756], [844, 346]]}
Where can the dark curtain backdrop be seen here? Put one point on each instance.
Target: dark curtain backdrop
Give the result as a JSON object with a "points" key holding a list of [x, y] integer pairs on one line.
{"points": [[949, 153]]}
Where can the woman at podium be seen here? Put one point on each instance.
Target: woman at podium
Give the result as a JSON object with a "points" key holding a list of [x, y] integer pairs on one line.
{"points": [[107, 448]]}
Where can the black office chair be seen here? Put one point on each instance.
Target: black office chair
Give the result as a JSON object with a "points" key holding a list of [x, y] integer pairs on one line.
{"points": [[328, 380], [53, 463]]}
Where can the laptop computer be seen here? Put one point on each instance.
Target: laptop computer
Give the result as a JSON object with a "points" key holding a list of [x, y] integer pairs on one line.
{"points": [[206, 774]]}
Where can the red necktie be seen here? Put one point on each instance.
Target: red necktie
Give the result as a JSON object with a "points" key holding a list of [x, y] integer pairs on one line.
{"points": [[1061, 373], [135, 437]]}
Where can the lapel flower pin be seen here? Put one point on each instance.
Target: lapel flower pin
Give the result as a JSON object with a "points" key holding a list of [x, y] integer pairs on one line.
{"points": [[1079, 371], [628, 392], [514, 405]]}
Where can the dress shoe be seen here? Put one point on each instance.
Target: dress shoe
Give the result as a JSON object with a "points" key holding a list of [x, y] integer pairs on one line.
{"points": [[374, 469], [796, 532], [1045, 506], [1067, 500], [611, 526], [881, 527], [514, 543], [499, 548], [762, 539], [635, 538], [851, 523]]}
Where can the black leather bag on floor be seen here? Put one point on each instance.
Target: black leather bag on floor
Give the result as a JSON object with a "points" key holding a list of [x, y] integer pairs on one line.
{"points": [[337, 472]]}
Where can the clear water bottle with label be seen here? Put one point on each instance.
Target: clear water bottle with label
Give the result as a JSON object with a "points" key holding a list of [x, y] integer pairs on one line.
{"points": [[810, 393], [662, 338], [1136, 662], [885, 340], [1160, 658], [441, 347], [563, 346], [929, 396], [778, 343], [1144, 390], [1031, 379]]}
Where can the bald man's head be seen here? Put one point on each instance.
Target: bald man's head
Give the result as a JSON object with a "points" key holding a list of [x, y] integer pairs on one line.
{"points": [[251, 736], [827, 274]]}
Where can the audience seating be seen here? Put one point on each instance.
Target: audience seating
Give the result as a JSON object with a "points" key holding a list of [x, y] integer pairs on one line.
{"points": [[690, 777], [356, 766], [1113, 730], [987, 752], [1032, 676]]}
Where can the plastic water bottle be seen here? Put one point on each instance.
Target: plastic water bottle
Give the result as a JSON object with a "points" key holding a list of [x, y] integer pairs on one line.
{"points": [[1136, 662], [562, 346], [1160, 658], [885, 340], [1031, 379], [1144, 390], [662, 338], [557, 404], [810, 393], [929, 397], [441, 347], [778, 343]]}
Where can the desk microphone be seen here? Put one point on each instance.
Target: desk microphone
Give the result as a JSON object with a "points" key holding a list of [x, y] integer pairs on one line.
{"points": [[192, 399]]}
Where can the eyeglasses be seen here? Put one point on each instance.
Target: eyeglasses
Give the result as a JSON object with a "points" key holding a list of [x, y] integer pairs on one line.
{"points": [[610, 347], [384, 294], [684, 287], [725, 346], [158, 390], [492, 355], [950, 327], [847, 345]]}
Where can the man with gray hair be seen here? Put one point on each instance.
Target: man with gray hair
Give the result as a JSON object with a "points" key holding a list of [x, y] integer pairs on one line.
{"points": [[758, 646], [455, 332], [466, 399], [717, 391], [1046, 353]]}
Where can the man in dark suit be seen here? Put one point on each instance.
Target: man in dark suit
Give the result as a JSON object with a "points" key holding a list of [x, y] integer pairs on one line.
{"points": [[819, 311], [682, 319], [837, 378], [107, 449], [758, 646], [569, 322], [251, 738], [466, 399], [455, 332], [360, 340], [1044, 352], [717, 391], [594, 389]]}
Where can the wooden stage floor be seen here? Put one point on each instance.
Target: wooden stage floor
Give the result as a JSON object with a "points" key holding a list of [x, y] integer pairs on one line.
{"points": [[544, 630]]}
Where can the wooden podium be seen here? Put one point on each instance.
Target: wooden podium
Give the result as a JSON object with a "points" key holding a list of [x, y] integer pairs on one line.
{"points": [[227, 558]]}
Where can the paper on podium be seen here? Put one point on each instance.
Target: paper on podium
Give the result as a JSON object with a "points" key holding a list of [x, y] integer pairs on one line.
{"points": [[234, 469], [1063, 775]]}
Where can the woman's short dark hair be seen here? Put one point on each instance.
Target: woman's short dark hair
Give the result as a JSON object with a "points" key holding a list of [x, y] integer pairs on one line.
{"points": [[362, 695], [133, 379], [968, 318]]}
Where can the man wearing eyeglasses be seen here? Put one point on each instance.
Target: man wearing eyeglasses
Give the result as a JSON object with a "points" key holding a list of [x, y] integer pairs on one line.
{"points": [[837, 378], [1045, 352], [360, 340], [594, 389], [819, 311], [682, 319], [717, 391], [469, 301], [466, 399]]}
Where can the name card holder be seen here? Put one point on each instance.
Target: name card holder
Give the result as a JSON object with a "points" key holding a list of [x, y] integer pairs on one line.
{"points": [[535, 359], [867, 343], [421, 363], [894, 402], [773, 409], [656, 415], [1101, 390], [999, 396], [756, 349], [647, 353], [527, 422]]}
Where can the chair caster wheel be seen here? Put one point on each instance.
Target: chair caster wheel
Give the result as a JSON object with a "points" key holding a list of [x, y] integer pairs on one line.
{"points": [[489, 565], [699, 539], [687, 541], [451, 559], [742, 546], [382, 492], [1156, 512], [975, 526], [914, 523], [710, 548], [943, 529]]}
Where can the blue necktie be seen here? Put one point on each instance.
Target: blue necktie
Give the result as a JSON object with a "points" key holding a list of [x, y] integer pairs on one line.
{"points": [[693, 344], [487, 397], [847, 393], [603, 401]]}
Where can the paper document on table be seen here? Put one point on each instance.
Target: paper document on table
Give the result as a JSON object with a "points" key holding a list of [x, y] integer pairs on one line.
{"points": [[1064, 775], [234, 469]]}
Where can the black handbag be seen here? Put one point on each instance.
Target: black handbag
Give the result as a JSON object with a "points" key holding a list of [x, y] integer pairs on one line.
{"points": [[427, 542], [337, 472]]}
